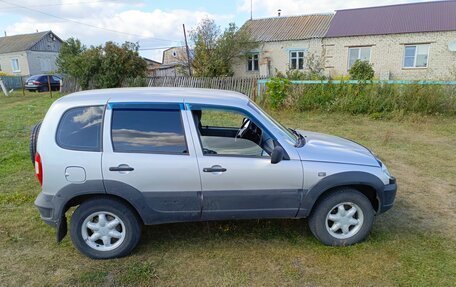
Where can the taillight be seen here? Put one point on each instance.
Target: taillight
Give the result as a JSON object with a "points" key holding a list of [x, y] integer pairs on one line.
{"points": [[39, 168], [36, 83]]}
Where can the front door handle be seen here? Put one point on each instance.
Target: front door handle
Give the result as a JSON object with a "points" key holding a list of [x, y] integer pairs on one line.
{"points": [[215, 168], [121, 167]]}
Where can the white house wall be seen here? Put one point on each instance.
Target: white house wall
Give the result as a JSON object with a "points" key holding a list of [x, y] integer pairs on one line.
{"points": [[277, 53], [387, 55], [6, 67]]}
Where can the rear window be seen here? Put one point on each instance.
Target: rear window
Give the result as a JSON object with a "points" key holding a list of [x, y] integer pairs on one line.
{"points": [[148, 131], [80, 129], [32, 78]]}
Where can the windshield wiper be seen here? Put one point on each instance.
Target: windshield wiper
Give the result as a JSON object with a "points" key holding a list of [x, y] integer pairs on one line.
{"points": [[301, 141]]}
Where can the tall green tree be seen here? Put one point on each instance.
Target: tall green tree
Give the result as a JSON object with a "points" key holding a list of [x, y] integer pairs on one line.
{"points": [[215, 51], [106, 66]]}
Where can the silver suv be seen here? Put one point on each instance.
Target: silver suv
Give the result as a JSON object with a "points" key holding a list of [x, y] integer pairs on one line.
{"points": [[128, 157]]}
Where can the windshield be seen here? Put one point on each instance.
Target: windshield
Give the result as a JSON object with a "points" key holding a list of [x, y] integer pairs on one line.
{"points": [[288, 134]]}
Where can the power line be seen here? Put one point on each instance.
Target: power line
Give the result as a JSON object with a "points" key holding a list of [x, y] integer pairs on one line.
{"points": [[86, 24], [60, 4], [155, 48]]}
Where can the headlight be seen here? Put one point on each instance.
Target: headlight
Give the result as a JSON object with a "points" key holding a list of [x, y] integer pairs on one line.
{"points": [[385, 170]]}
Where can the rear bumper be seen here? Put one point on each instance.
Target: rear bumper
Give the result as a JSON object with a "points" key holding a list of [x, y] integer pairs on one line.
{"points": [[32, 88], [44, 203], [389, 194]]}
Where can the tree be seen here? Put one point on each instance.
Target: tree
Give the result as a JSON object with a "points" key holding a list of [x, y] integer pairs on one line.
{"points": [[119, 63], [215, 51], [361, 70], [105, 66], [75, 60]]}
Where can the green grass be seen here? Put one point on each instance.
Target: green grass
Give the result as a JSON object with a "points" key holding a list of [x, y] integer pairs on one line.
{"points": [[411, 245]]}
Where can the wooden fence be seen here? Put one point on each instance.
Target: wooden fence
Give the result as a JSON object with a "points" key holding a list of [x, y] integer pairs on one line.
{"points": [[70, 85], [14, 82], [246, 86]]}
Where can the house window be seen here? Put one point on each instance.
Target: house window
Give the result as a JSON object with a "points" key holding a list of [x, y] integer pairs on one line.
{"points": [[15, 65], [252, 63], [358, 53], [297, 60], [416, 56]]}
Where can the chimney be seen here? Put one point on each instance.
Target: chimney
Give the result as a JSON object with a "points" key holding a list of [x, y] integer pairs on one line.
{"points": [[5, 33], [278, 12]]}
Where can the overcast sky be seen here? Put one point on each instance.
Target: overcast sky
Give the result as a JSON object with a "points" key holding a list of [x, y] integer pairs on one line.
{"points": [[155, 24]]}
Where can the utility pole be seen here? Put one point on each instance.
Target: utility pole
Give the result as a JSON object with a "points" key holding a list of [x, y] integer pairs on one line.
{"points": [[188, 52], [251, 9]]}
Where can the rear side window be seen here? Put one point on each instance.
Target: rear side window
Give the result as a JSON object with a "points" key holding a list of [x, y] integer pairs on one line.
{"points": [[80, 129], [148, 131]]}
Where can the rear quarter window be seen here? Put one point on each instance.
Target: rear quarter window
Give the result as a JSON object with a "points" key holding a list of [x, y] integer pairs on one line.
{"points": [[80, 129]]}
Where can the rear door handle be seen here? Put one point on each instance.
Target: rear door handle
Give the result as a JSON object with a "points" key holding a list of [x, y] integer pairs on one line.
{"points": [[121, 168], [214, 169]]}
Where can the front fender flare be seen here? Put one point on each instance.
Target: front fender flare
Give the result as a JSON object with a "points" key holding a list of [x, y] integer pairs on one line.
{"points": [[350, 178]]}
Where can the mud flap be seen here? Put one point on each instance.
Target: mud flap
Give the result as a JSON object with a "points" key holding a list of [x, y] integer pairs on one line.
{"points": [[62, 229]]}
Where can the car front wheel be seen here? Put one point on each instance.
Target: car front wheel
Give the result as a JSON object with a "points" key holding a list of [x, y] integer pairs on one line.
{"points": [[104, 228], [343, 217]]}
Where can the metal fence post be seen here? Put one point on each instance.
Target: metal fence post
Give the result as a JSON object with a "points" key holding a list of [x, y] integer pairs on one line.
{"points": [[49, 86], [23, 87], [2, 85]]}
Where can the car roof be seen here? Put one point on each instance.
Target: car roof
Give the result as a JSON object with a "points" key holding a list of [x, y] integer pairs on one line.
{"points": [[189, 95]]}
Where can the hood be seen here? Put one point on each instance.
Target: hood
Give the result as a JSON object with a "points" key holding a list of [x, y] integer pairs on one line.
{"points": [[328, 148]]}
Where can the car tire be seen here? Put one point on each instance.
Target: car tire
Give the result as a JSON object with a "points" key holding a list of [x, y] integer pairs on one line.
{"points": [[33, 141], [343, 217], [104, 228]]}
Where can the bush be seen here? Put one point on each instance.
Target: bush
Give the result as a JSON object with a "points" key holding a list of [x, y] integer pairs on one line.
{"points": [[361, 70], [380, 98], [372, 99], [277, 91]]}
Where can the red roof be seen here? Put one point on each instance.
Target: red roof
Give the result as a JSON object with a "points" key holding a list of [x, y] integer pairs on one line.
{"points": [[395, 19]]}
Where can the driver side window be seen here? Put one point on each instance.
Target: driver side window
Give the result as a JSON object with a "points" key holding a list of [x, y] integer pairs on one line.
{"points": [[230, 133]]}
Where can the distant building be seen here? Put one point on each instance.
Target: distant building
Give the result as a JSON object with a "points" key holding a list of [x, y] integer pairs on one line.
{"points": [[414, 41], [406, 41], [29, 54], [175, 62], [152, 67], [284, 44]]}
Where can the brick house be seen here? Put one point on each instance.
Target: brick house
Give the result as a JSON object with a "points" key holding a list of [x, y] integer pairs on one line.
{"points": [[29, 54], [284, 43], [407, 41]]}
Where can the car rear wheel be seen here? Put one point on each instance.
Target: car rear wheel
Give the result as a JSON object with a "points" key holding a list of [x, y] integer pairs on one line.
{"points": [[343, 217], [104, 228]]}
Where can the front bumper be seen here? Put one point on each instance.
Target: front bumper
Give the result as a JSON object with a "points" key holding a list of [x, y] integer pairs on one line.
{"points": [[389, 194]]}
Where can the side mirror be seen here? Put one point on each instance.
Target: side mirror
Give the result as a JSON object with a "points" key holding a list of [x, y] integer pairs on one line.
{"points": [[277, 154]]}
